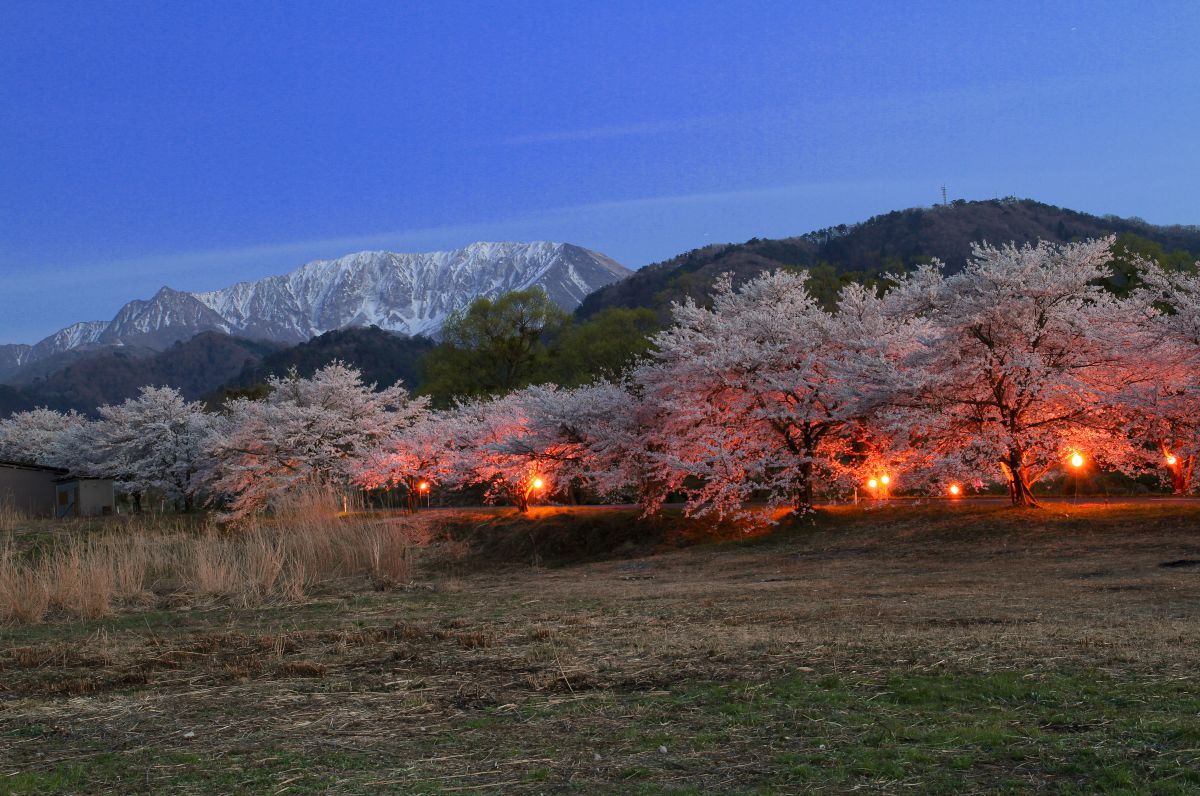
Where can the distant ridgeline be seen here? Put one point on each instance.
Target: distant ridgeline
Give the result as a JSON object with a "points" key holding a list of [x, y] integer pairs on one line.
{"points": [[891, 242], [209, 366], [608, 326]]}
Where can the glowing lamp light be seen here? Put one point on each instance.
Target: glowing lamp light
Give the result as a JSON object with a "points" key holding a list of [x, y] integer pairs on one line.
{"points": [[885, 480], [955, 489], [872, 483], [1076, 460], [423, 486], [1171, 460], [537, 483]]}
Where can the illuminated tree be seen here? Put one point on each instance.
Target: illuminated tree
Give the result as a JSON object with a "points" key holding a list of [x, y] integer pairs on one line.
{"points": [[1163, 412], [307, 431], [414, 459], [760, 392], [1020, 363], [486, 437], [579, 436]]}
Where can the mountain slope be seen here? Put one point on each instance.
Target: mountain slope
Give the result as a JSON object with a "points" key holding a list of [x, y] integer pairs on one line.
{"points": [[406, 293], [77, 335], [888, 242], [382, 357], [86, 379], [207, 366]]}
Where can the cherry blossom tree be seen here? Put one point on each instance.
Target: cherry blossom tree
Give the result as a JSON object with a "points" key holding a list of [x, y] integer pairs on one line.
{"points": [[757, 393], [488, 449], [1022, 358], [34, 437], [415, 459], [576, 435], [1163, 413], [154, 441], [307, 431], [527, 444]]}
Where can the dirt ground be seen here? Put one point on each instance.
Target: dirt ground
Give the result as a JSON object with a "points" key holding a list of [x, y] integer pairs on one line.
{"points": [[898, 650]]}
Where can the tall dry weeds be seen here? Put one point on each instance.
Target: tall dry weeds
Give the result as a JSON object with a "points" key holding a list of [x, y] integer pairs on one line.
{"points": [[307, 544], [23, 594], [209, 566], [11, 517], [390, 556]]}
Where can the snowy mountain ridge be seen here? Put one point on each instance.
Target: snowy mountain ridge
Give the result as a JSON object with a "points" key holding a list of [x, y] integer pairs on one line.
{"points": [[407, 293]]}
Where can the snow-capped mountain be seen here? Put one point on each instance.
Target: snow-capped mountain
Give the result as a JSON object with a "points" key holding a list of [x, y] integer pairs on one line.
{"points": [[77, 335], [409, 293]]}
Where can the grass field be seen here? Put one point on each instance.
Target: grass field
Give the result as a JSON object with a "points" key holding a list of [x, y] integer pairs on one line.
{"points": [[906, 650]]}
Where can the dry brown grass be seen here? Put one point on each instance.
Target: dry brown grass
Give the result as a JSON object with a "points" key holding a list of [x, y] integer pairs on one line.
{"points": [[283, 559], [23, 593], [10, 517], [1083, 621]]}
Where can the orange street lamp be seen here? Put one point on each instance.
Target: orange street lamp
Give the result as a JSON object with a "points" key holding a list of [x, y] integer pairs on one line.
{"points": [[535, 485], [1077, 463], [872, 483], [885, 480], [955, 489], [423, 486], [1171, 460]]}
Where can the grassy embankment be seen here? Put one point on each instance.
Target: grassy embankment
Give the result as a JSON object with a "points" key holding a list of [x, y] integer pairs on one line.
{"points": [[916, 649]]}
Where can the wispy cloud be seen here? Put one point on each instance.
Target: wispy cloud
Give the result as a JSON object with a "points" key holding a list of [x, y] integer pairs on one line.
{"points": [[609, 131]]}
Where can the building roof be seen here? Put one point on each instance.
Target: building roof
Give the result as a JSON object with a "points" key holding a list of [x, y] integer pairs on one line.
{"points": [[4, 464]]}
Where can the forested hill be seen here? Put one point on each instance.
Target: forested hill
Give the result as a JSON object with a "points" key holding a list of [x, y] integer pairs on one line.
{"points": [[210, 365], [84, 380], [887, 242], [383, 357]]}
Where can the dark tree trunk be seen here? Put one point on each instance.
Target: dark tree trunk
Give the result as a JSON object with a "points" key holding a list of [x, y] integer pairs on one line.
{"points": [[1018, 486], [806, 487], [1180, 470], [1181, 476], [411, 496]]}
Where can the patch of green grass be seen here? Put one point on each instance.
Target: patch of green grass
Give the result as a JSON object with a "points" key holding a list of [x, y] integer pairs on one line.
{"points": [[946, 733], [158, 772]]}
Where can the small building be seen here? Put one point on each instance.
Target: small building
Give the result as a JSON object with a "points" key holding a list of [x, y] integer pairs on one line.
{"points": [[29, 488], [84, 497]]}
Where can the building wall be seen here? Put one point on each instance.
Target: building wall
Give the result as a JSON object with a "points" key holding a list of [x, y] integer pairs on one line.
{"points": [[28, 491], [85, 497], [96, 497]]}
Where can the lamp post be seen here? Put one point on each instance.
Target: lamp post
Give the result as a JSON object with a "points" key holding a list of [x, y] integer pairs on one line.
{"points": [[879, 487], [534, 485], [1077, 463]]}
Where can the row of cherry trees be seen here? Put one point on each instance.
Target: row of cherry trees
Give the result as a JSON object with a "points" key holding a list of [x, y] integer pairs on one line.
{"points": [[1004, 371], [247, 457], [1000, 372]]}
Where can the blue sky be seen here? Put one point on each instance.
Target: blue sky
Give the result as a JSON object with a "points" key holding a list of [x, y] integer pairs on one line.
{"points": [[198, 144]]}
